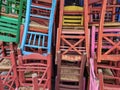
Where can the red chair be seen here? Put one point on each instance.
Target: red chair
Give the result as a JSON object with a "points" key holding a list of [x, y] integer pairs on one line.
{"points": [[109, 80], [70, 74], [73, 34], [8, 75], [38, 65], [105, 46], [111, 38], [95, 9]]}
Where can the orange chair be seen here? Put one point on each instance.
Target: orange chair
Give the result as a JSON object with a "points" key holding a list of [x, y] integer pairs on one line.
{"points": [[111, 37]]}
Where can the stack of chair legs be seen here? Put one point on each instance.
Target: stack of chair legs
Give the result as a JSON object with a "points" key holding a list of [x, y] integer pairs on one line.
{"points": [[106, 43], [10, 21], [72, 42], [34, 55]]}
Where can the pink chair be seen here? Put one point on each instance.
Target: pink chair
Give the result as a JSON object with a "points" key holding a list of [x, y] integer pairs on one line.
{"points": [[94, 84]]}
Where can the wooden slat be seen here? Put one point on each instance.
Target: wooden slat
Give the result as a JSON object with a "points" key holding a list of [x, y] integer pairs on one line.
{"points": [[3, 68], [9, 15]]}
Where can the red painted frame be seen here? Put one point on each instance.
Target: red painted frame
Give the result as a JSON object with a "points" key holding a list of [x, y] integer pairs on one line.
{"points": [[80, 36], [35, 63]]}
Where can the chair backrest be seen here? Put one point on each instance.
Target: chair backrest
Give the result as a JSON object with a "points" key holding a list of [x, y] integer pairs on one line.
{"points": [[37, 39], [35, 64], [107, 42], [11, 12], [73, 32], [112, 11], [71, 19]]}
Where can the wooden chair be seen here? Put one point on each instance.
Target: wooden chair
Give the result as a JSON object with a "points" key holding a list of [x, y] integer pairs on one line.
{"points": [[10, 20], [37, 35], [109, 80], [72, 33], [34, 70], [107, 42], [8, 74], [70, 74], [111, 15], [111, 37]]}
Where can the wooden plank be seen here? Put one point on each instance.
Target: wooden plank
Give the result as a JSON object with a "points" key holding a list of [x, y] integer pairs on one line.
{"points": [[107, 24]]}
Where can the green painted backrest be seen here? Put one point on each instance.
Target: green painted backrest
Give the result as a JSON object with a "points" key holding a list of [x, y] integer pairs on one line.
{"points": [[11, 13]]}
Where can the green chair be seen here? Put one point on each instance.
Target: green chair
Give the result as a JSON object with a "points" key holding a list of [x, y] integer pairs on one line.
{"points": [[11, 12]]}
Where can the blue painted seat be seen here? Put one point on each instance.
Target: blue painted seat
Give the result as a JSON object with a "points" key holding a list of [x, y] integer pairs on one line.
{"points": [[38, 10]]}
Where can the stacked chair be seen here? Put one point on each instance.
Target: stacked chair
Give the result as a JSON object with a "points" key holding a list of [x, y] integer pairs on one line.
{"points": [[30, 59], [86, 40], [11, 17], [34, 55], [71, 46], [105, 45]]}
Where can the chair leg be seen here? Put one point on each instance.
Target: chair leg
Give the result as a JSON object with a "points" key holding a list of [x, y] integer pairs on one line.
{"points": [[35, 82], [1, 85], [21, 73], [49, 76], [13, 60]]}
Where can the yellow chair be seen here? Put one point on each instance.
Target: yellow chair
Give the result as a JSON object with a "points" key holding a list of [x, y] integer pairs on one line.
{"points": [[72, 16]]}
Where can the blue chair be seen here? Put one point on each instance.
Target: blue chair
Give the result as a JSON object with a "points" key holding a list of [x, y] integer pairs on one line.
{"points": [[38, 39]]}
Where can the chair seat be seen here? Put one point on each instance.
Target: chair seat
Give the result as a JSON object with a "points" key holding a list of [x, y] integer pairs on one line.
{"points": [[37, 25], [73, 27], [73, 31], [28, 88], [71, 58], [5, 65], [70, 73], [107, 24]]}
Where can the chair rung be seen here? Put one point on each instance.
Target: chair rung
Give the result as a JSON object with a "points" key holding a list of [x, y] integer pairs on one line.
{"points": [[35, 46], [36, 40], [34, 6], [37, 33], [38, 16], [8, 30], [8, 20], [8, 25], [71, 68], [7, 38], [70, 74], [69, 86], [26, 52]]}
